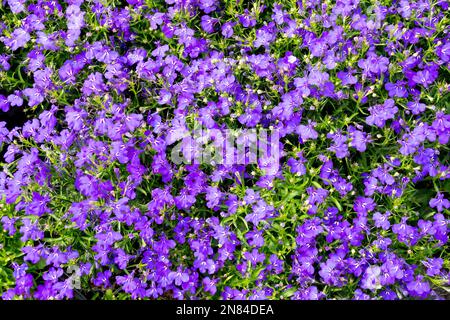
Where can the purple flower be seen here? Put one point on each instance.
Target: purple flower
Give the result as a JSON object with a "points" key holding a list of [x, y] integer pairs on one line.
{"points": [[443, 52], [416, 107], [418, 287], [69, 70], [364, 205], [94, 84], [434, 266], [185, 200], [397, 89], [379, 114], [427, 76], [38, 205], [360, 295], [4, 62], [339, 145], [15, 100], [103, 279], [75, 118], [45, 291], [9, 224], [307, 132], [254, 257], [347, 78], [261, 211], [255, 238], [439, 202], [328, 272], [213, 197], [374, 65], [179, 277], [18, 39], [121, 259], [16, 6], [210, 285], [227, 29], [30, 230], [247, 20], [207, 23], [359, 139], [264, 36], [297, 166], [381, 220], [4, 103], [405, 233], [35, 96], [128, 283]]}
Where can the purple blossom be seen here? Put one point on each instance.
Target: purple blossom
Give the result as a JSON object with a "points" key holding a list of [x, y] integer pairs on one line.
{"points": [[439, 202], [379, 114], [18, 39]]}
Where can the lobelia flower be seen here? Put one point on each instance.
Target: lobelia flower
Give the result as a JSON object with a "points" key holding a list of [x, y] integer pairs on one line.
{"points": [[16, 6], [254, 257], [247, 20], [207, 23], [439, 202], [4, 62], [264, 36], [347, 77], [208, 68], [373, 65], [397, 89], [405, 233], [441, 125], [128, 283], [213, 197], [103, 279], [297, 166], [261, 211], [209, 285], [18, 39], [381, 220], [15, 100], [418, 287], [434, 266], [227, 29], [307, 132], [339, 145], [47, 41], [359, 139], [45, 291], [427, 76], [379, 114], [416, 107], [33, 23], [4, 103], [255, 238], [443, 52], [364, 205], [35, 96], [75, 118], [360, 295], [9, 224], [94, 84], [30, 230], [42, 78], [38, 205]]}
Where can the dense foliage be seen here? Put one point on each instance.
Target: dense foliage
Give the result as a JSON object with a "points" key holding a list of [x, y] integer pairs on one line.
{"points": [[92, 205]]}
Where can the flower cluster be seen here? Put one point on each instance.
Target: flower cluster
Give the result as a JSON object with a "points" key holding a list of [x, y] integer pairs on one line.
{"points": [[355, 205]]}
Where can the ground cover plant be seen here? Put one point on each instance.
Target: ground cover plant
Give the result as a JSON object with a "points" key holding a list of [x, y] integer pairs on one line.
{"points": [[105, 190]]}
